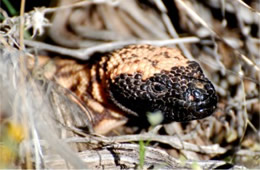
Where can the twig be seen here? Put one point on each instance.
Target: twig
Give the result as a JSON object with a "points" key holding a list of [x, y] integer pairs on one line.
{"points": [[84, 54], [21, 28], [116, 156], [245, 5], [82, 3], [171, 28], [173, 141], [246, 152], [194, 15]]}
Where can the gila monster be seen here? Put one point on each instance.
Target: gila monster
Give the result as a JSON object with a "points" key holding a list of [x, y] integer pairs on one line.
{"points": [[138, 79]]}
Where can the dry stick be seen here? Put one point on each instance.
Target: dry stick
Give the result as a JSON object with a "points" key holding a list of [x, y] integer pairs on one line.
{"points": [[106, 15], [4, 13], [37, 148], [242, 28], [77, 163], [247, 6], [217, 57], [244, 58], [81, 4], [142, 19], [62, 149], [241, 25], [171, 28], [150, 151], [3, 41], [21, 26], [173, 141], [194, 15], [114, 156], [139, 31], [241, 74], [213, 65], [84, 54], [22, 81], [43, 11], [247, 152]]}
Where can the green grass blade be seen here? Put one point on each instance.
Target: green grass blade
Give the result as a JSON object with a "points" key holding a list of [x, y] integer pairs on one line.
{"points": [[10, 7]]}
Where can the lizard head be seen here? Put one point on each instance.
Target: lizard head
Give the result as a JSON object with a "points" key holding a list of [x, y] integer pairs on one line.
{"points": [[181, 93]]}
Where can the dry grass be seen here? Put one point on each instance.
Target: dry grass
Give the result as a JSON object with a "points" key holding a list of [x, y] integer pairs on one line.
{"points": [[38, 118]]}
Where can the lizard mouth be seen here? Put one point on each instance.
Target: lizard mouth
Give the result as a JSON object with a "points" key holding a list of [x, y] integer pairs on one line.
{"points": [[204, 108], [194, 108], [196, 102]]}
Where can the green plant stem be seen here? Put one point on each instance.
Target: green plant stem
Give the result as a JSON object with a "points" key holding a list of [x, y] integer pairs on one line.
{"points": [[10, 7]]}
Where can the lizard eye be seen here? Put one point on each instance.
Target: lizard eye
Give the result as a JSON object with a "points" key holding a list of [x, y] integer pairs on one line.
{"points": [[158, 88], [198, 95]]}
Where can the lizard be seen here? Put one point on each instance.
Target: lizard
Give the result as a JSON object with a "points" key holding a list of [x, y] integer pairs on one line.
{"points": [[137, 79]]}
